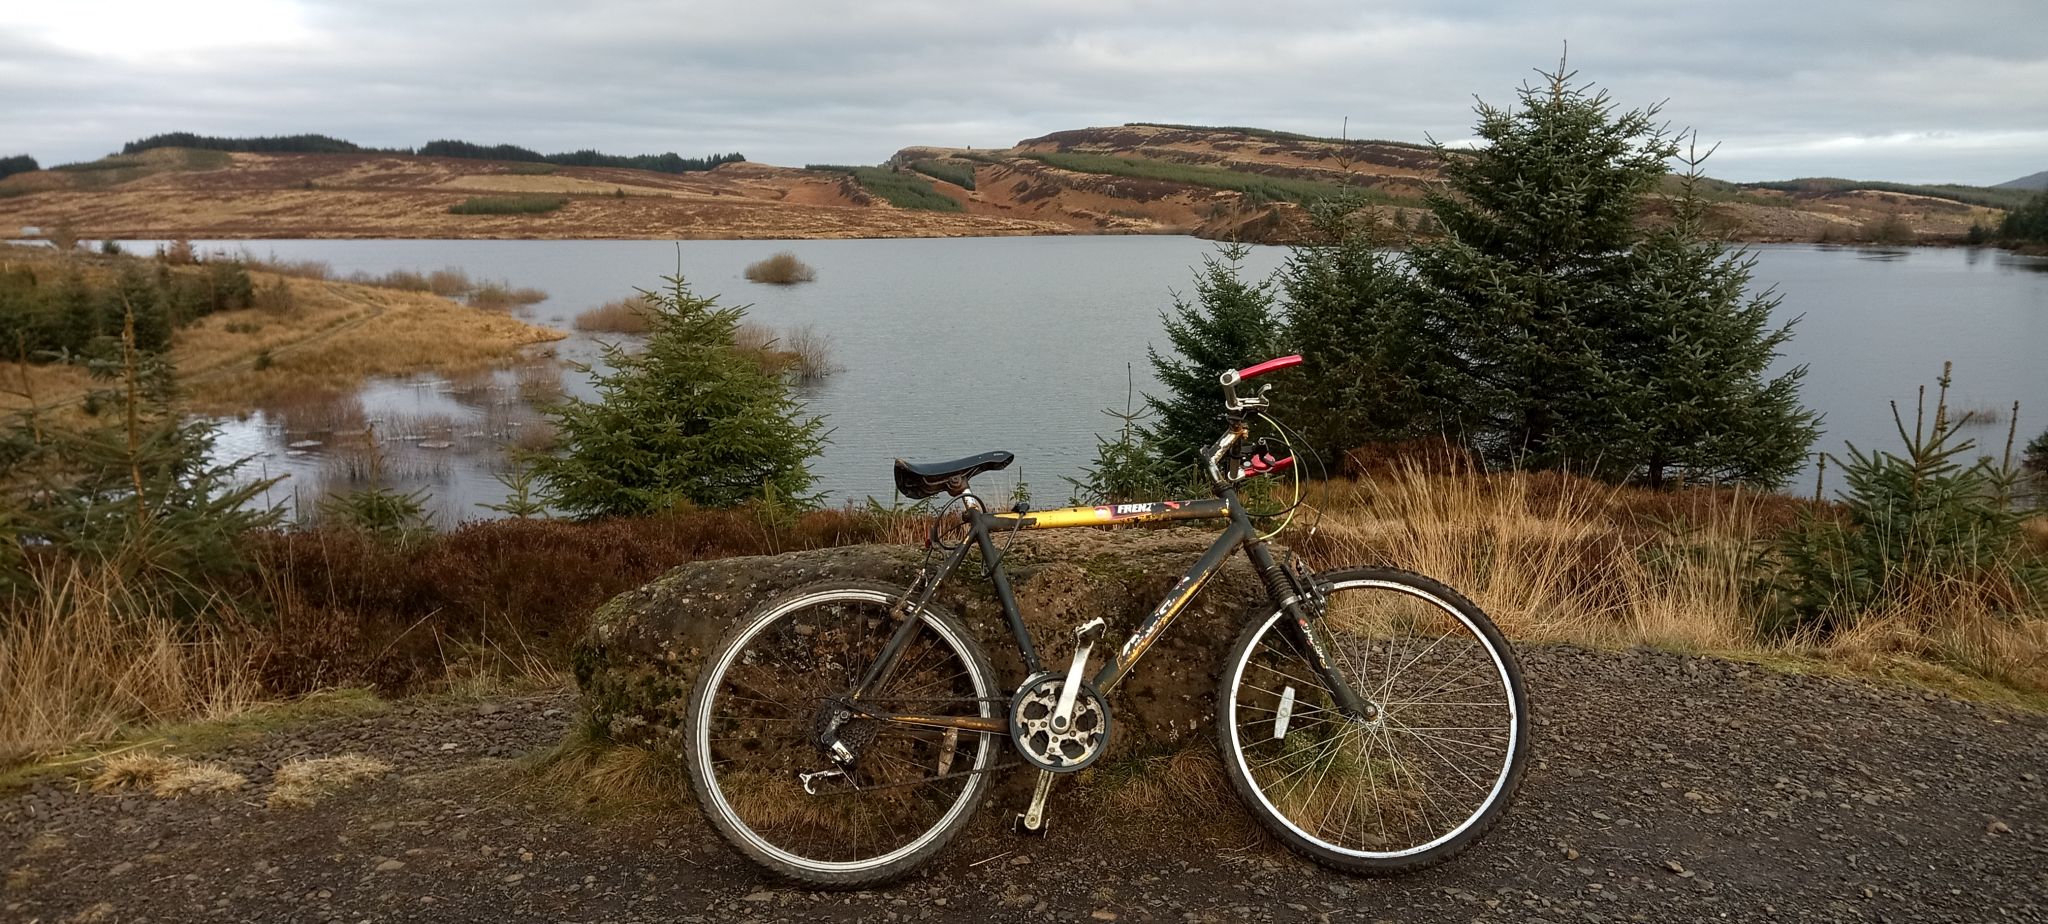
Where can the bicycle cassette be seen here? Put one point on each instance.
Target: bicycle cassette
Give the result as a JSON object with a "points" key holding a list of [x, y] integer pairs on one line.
{"points": [[1031, 725]]}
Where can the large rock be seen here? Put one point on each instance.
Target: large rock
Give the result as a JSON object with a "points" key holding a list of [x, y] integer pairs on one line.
{"points": [[642, 652]]}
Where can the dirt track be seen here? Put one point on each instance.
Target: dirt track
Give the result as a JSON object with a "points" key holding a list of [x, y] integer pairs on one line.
{"points": [[1667, 789]]}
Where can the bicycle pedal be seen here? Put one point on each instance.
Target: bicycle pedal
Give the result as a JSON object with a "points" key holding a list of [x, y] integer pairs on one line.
{"points": [[1022, 825]]}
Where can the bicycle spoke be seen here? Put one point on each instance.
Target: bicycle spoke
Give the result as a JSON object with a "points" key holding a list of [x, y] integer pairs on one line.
{"points": [[771, 702], [1420, 768]]}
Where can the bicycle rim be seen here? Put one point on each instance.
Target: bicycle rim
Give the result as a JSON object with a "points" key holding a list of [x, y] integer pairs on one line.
{"points": [[1439, 753], [756, 726]]}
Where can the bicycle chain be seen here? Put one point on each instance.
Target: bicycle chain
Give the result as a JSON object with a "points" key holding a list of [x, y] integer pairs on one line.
{"points": [[930, 779]]}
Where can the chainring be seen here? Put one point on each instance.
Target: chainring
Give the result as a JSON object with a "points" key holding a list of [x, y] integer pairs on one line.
{"points": [[1085, 739]]}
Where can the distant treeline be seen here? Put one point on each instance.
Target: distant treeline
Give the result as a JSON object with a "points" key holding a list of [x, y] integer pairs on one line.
{"points": [[280, 144], [1987, 196], [322, 144], [20, 163], [665, 163]]}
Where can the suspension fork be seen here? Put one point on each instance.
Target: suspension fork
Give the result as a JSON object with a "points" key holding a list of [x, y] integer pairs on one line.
{"points": [[1301, 620]]}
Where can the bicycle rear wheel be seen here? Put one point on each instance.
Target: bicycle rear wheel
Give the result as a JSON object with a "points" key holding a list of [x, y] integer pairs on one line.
{"points": [[770, 689], [1414, 783]]}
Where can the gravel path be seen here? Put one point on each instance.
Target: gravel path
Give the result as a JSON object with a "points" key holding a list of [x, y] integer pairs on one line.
{"points": [[1667, 788]]}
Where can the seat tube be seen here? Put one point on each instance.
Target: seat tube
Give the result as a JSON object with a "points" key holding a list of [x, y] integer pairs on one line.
{"points": [[1000, 577]]}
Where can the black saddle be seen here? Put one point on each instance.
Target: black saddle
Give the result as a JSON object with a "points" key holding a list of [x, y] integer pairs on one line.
{"points": [[914, 480]]}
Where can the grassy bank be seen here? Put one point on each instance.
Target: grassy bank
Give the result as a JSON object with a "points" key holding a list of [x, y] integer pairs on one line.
{"points": [[1551, 558], [308, 334]]}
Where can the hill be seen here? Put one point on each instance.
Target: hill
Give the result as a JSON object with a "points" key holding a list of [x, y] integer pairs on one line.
{"points": [[2030, 181], [1139, 178]]}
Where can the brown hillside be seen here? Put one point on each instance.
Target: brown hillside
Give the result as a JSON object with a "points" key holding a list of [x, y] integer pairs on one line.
{"points": [[1130, 179]]}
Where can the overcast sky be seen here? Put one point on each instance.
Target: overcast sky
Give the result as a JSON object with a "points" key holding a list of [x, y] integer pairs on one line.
{"points": [[1914, 91]]}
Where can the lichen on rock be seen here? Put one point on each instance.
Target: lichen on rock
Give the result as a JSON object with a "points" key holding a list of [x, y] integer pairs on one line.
{"points": [[636, 664]]}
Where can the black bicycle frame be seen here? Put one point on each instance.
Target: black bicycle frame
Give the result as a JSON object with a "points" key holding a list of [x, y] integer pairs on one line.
{"points": [[1301, 626]]}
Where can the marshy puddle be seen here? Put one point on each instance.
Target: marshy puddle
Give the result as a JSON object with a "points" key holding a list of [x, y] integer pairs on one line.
{"points": [[452, 437]]}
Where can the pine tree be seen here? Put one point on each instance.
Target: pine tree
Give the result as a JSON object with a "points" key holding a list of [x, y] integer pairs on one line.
{"points": [[140, 494], [1352, 314], [686, 420], [1921, 532], [1692, 357], [1576, 340], [2029, 222], [1230, 325]]}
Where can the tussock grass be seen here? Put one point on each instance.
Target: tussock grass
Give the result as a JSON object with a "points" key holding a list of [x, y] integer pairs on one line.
{"points": [[803, 353], [508, 205], [306, 781], [782, 269], [165, 776], [498, 296], [606, 777], [1553, 558], [624, 316], [89, 655], [1176, 785]]}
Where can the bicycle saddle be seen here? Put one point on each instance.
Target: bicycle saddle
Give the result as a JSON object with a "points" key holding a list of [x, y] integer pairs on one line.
{"points": [[915, 480]]}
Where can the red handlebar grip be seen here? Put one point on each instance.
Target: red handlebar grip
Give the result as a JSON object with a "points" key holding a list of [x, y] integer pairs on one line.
{"points": [[1258, 465], [1271, 365]]}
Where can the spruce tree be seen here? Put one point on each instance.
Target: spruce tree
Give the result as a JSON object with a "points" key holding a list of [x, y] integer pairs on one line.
{"points": [[1573, 338], [1230, 325], [138, 493], [1692, 357], [1352, 314], [685, 420]]}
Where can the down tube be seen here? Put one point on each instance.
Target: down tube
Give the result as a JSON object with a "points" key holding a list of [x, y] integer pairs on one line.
{"points": [[1177, 599]]}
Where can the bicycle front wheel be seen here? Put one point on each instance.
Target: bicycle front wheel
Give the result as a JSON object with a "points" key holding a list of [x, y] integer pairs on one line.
{"points": [[783, 677], [1424, 774]]}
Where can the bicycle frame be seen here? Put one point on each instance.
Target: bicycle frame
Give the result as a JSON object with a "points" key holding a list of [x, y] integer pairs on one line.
{"points": [[982, 530]]}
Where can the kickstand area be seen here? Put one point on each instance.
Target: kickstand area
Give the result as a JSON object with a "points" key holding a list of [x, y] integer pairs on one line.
{"points": [[1032, 820]]}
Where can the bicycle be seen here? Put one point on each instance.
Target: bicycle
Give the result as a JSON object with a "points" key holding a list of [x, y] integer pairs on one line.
{"points": [[843, 733]]}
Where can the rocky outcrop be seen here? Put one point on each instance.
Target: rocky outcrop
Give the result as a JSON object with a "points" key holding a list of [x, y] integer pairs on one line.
{"points": [[637, 662]]}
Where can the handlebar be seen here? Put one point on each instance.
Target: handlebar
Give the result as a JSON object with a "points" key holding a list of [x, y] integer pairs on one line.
{"points": [[1271, 365], [1257, 462], [1230, 378]]}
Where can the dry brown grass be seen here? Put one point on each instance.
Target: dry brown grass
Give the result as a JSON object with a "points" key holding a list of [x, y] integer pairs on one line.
{"points": [[1562, 559], [601, 775], [782, 269], [305, 781], [803, 353], [333, 336], [624, 316], [165, 776], [1186, 782], [498, 296], [89, 656]]}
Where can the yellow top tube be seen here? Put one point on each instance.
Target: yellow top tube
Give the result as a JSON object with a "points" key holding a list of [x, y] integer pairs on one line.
{"points": [[1107, 514]]}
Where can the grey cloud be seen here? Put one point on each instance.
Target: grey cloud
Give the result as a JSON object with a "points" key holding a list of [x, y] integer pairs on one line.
{"points": [[1898, 90]]}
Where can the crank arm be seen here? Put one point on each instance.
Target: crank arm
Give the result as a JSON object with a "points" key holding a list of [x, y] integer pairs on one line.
{"points": [[1084, 639]]}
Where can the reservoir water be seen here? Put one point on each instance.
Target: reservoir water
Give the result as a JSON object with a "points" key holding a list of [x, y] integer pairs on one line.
{"points": [[953, 346]]}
